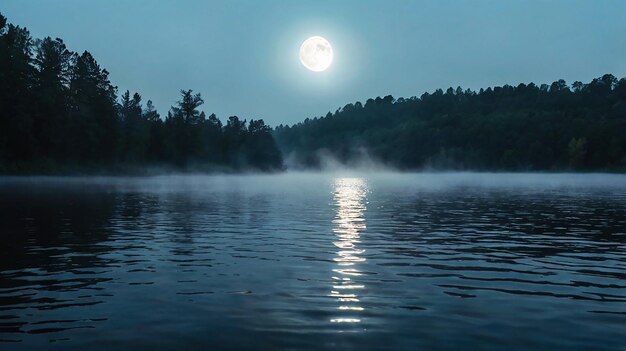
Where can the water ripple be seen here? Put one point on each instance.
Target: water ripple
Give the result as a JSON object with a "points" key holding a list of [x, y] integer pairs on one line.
{"points": [[434, 261]]}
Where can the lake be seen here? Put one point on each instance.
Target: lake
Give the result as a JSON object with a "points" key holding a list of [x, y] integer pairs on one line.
{"points": [[341, 261]]}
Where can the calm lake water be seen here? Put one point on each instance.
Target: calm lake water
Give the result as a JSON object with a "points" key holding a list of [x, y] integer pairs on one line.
{"points": [[305, 261]]}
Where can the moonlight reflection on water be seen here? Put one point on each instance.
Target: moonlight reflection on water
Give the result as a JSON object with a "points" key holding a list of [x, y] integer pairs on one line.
{"points": [[349, 197]]}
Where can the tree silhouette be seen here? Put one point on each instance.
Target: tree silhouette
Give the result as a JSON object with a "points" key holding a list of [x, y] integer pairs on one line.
{"points": [[16, 79], [59, 112], [528, 127], [53, 62]]}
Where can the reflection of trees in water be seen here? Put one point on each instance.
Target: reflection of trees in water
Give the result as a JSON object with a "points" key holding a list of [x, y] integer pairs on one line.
{"points": [[37, 224], [51, 257], [533, 224], [559, 244], [194, 218], [185, 214], [258, 210], [61, 243]]}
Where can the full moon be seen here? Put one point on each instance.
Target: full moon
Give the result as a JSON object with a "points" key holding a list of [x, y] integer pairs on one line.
{"points": [[316, 54]]}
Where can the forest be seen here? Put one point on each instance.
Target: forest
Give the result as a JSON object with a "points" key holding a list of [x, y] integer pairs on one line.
{"points": [[527, 127], [60, 114]]}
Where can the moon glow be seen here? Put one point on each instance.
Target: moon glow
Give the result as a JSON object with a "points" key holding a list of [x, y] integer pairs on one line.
{"points": [[316, 54]]}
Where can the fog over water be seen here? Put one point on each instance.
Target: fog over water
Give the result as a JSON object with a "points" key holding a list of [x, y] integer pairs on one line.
{"points": [[328, 260], [435, 180]]}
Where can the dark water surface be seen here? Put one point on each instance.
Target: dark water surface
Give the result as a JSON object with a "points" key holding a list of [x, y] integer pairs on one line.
{"points": [[294, 261]]}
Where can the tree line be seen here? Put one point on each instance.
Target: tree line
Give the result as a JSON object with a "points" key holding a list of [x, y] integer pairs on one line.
{"points": [[519, 128], [60, 113]]}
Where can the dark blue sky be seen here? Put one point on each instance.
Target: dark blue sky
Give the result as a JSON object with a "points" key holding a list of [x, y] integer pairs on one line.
{"points": [[243, 55]]}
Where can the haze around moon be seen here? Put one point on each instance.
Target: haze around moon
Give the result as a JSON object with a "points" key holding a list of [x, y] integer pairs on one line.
{"points": [[316, 54]]}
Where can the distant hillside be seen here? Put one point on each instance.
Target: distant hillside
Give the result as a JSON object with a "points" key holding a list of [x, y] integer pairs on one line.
{"points": [[527, 127]]}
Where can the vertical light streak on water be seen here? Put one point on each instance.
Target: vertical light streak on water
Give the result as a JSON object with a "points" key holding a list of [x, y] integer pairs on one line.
{"points": [[349, 222]]}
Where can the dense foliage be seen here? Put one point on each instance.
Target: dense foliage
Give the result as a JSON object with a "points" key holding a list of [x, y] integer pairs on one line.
{"points": [[527, 127], [60, 113]]}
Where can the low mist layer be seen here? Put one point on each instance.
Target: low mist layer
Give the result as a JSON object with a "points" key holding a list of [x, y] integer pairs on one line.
{"points": [[305, 182]]}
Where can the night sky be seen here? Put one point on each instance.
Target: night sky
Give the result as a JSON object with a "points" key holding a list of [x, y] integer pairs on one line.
{"points": [[243, 55]]}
